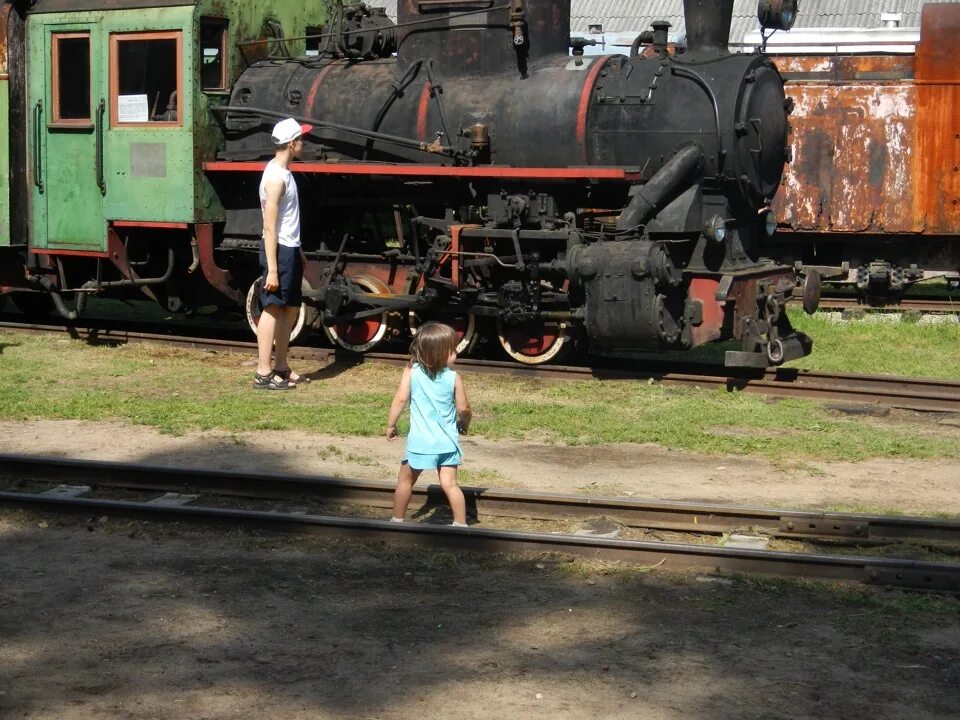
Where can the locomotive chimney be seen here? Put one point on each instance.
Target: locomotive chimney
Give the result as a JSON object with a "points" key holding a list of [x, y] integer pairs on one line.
{"points": [[708, 25]]}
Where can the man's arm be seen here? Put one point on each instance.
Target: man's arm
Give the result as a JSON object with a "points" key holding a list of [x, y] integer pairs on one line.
{"points": [[271, 211]]}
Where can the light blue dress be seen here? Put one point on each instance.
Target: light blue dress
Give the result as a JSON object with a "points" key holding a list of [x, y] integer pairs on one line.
{"points": [[433, 440]]}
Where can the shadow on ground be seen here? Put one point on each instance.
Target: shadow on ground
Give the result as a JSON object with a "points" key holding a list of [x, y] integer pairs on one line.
{"points": [[145, 620]]}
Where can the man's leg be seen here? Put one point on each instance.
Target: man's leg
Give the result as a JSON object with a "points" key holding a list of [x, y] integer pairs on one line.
{"points": [[285, 322], [267, 330]]}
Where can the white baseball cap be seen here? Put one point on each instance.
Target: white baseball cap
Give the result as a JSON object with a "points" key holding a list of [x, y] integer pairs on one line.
{"points": [[289, 130]]}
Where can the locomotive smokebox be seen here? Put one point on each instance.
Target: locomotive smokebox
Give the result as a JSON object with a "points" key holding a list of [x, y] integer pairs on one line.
{"points": [[708, 25]]}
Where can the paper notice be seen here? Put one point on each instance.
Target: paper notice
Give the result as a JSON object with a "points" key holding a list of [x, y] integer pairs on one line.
{"points": [[133, 109]]}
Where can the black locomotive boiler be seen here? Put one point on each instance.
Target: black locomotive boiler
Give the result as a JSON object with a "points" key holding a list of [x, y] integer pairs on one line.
{"points": [[485, 177]]}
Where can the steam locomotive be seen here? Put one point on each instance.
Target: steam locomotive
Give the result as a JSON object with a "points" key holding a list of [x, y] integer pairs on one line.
{"points": [[465, 167]]}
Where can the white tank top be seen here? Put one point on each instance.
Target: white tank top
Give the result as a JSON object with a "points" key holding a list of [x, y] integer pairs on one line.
{"points": [[288, 215]]}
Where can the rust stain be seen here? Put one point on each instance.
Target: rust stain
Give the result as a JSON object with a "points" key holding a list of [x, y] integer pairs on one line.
{"points": [[876, 140], [5, 10], [704, 291], [937, 141]]}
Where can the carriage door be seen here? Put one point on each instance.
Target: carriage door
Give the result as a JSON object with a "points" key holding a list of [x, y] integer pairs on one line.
{"points": [[68, 112]]}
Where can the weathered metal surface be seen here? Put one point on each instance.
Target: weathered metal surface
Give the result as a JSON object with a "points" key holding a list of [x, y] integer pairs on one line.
{"points": [[852, 147], [937, 160], [485, 40], [67, 205], [151, 172], [876, 139], [5, 11], [52, 6]]}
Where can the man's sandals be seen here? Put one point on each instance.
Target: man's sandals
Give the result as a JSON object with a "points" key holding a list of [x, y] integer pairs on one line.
{"points": [[285, 374], [278, 380]]}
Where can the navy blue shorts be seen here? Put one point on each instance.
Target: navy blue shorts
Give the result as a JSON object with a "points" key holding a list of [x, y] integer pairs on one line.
{"points": [[290, 270]]}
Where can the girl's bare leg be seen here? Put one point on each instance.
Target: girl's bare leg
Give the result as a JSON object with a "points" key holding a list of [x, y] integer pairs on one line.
{"points": [[401, 496], [448, 481]]}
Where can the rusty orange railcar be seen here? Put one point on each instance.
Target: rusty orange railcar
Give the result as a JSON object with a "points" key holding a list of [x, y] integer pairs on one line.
{"points": [[872, 199]]}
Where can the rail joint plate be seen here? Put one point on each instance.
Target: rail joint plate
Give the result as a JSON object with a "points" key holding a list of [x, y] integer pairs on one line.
{"points": [[947, 580], [823, 526]]}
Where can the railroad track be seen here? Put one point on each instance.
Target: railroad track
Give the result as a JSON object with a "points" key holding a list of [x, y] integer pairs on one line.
{"points": [[186, 495], [923, 305], [918, 394]]}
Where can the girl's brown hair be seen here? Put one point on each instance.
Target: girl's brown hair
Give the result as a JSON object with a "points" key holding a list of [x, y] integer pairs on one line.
{"points": [[432, 346]]}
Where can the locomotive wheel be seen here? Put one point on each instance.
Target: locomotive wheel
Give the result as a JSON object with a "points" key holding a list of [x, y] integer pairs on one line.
{"points": [[363, 334], [534, 342], [254, 310], [464, 325]]}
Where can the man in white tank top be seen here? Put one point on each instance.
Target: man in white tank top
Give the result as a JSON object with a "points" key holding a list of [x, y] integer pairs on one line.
{"points": [[281, 259]]}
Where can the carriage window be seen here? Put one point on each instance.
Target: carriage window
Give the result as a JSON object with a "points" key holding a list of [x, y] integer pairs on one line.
{"points": [[213, 54], [71, 78], [146, 78]]}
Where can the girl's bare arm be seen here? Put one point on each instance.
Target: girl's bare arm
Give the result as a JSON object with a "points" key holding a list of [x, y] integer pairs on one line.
{"points": [[464, 412], [399, 403]]}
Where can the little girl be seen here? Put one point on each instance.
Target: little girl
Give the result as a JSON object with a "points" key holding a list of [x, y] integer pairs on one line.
{"points": [[439, 411]]}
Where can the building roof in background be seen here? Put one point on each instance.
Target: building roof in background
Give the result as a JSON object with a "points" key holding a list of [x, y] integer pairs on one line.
{"points": [[636, 15]]}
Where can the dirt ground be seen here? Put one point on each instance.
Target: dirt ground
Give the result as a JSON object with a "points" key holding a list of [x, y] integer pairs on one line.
{"points": [[109, 619]]}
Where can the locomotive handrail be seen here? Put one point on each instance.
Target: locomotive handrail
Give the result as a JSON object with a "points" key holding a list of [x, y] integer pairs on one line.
{"points": [[98, 158], [317, 123], [37, 142], [691, 75]]}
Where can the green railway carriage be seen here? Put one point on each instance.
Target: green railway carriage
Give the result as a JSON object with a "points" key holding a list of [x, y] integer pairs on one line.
{"points": [[103, 179], [4, 145], [12, 108]]}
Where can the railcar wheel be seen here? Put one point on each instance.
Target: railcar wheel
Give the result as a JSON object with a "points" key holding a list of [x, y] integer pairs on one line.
{"points": [[534, 342], [254, 310], [464, 325], [363, 334]]}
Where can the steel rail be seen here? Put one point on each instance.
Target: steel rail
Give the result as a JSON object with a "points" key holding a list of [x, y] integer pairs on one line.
{"points": [[918, 394], [913, 574], [687, 517], [926, 305]]}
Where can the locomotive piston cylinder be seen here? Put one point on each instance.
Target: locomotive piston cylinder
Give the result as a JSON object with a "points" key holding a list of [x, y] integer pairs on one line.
{"points": [[631, 300]]}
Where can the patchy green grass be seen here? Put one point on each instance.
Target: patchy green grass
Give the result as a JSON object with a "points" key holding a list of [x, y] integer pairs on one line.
{"points": [[880, 348], [183, 390]]}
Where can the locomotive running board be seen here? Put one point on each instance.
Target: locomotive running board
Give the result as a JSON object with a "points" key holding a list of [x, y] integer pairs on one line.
{"points": [[588, 173]]}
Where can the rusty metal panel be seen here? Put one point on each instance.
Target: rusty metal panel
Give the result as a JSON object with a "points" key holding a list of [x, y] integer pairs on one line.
{"points": [[876, 140], [853, 146], [937, 142], [872, 189], [5, 10]]}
